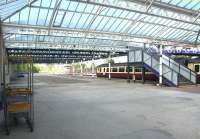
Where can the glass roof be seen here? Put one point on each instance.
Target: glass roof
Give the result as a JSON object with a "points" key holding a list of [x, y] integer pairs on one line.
{"points": [[62, 41], [9, 7], [102, 18], [188, 4]]}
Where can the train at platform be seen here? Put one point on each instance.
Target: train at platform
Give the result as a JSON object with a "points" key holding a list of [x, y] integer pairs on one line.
{"points": [[194, 65], [120, 70]]}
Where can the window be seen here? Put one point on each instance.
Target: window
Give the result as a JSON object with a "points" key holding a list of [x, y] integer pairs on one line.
{"points": [[114, 70], [98, 70], [58, 19], [130, 69], [196, 68], [107, 69], [121, 69], [138, 70]]}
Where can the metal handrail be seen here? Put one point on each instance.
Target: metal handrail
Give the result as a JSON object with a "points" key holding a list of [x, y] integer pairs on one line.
{"points": [[151, 57], [190, 72], [181, 65], [171, 60], [168, 63], [162, 63]]}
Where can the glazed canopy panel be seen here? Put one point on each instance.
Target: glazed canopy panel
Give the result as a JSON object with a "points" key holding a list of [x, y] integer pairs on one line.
{"points": [[110, 25]]}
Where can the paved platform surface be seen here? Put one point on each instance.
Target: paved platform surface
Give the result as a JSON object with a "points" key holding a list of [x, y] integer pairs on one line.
{"points": [[91, 108]]}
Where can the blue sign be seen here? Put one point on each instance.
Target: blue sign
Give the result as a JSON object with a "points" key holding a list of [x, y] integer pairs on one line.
{"points": [[183, 52]]}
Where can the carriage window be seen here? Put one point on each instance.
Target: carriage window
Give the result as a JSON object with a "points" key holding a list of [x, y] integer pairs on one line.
{"points": [[104, 69], [114, 70], [138, 70], [196, 68], [130, 69], [107, 69], [121, 69]]}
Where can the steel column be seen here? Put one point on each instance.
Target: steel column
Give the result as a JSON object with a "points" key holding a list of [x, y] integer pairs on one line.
{"points": [[93, 64], [109, 64], [128, 66], [160, 65], [197, 38]]}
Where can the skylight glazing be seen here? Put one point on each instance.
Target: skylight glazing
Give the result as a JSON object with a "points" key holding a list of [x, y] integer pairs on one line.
{"points": [[100, 17]]}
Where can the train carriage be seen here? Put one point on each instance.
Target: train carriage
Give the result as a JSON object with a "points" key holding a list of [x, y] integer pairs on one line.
{"points": [[194, 65], [120, 70]]}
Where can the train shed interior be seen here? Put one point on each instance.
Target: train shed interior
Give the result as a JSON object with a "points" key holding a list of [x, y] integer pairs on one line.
{"points": [[99, 69]]}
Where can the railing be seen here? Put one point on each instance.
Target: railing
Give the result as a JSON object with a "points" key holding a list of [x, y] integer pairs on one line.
{"points": [[170, 69], [168, 73], [182, 70], [179, 68]]}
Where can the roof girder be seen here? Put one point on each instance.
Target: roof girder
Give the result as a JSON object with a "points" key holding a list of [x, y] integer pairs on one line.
{"points": [[128, 6], [169, 7], [182, 15], [141, 21], [55, 31]]}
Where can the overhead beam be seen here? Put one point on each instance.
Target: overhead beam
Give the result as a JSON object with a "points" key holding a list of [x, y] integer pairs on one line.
{"points": [[61, 52], [100, 43], [69, 46], [8, 38], [197, 38], [57, 5], [149, 6], [41, 30], [168, 7], [96, 2], [110, 16]]}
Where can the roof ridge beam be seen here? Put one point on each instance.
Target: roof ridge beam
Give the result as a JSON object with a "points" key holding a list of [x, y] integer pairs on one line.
{"points": [[43, 31], [169, 7], [136, 11]]}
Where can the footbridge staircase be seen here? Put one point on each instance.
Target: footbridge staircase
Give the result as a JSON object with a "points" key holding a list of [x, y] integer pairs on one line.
{"points": [[173, 73]]}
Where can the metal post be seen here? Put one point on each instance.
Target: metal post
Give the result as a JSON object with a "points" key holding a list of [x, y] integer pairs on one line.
{"points": [[92, 67], [73, 69], [144, 46], [143, 68], [133, 70], [160, 65], [143, 74], [81, 68], [128, 66], [109, 64], [1, 69]]}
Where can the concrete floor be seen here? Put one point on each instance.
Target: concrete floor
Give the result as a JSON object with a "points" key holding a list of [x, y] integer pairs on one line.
{"points": [[72, 108]]}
